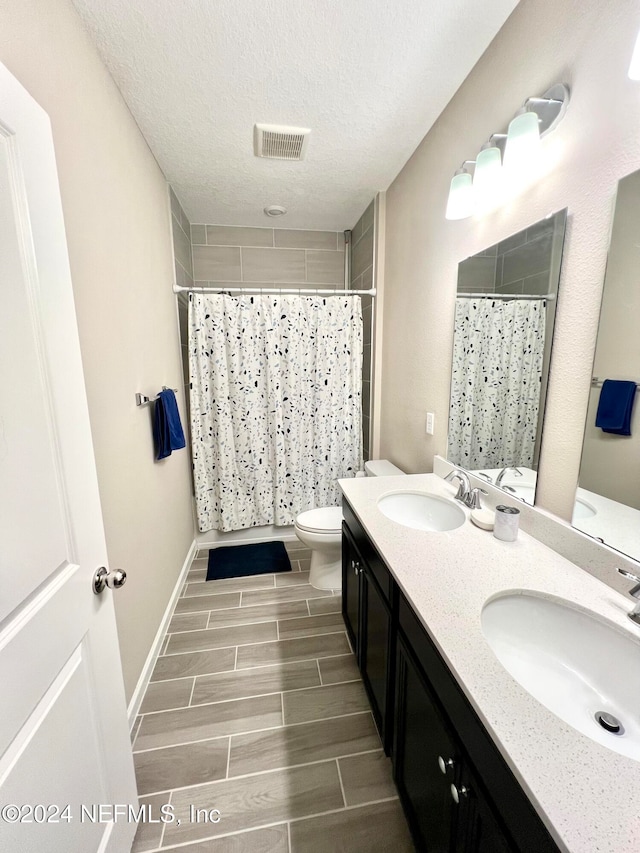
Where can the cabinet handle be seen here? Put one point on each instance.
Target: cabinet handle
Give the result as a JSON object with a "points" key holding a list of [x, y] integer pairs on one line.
{"points": [[355, 566], [445, 764], [458, 794]]}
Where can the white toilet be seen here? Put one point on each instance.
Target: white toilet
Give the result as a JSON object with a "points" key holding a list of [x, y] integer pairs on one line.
{"points": [[321, 530]]}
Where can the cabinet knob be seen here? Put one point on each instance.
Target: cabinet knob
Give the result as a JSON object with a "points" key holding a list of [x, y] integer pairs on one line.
{"points": [[458, 794], [355, 565], [445, 764]]}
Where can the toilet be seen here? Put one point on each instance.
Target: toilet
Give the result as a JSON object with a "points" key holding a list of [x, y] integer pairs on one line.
{"points": [[321, 530]]}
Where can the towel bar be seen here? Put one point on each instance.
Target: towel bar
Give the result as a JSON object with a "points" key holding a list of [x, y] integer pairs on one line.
{"points": [[597, 383], [143, 400]]}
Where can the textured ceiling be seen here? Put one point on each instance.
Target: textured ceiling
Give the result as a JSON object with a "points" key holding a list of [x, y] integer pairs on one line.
{"points": [[369, 77]]}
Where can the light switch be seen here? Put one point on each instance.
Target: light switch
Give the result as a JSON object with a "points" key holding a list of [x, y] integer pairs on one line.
{"points": [[431, 423]]}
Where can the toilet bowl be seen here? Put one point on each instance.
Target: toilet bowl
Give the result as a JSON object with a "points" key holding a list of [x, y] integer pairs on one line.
{"points": [[321, 530]]}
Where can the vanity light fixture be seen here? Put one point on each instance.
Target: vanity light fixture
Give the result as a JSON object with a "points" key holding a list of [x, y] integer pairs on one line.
{"points": [[537, 117], [522, 147], [460, 204], [488, 176]]}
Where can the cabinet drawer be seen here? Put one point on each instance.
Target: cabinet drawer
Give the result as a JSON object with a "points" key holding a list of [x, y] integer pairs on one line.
{"points": [[370, 555], [494, 777]]}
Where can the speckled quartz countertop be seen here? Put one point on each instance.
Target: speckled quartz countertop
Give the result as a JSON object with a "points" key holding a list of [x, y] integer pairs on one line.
{"points": [[612, 522], [587, 795]]}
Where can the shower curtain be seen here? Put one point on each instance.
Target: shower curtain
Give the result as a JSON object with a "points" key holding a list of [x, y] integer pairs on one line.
{"points": [[275, 405], [495, 382]]}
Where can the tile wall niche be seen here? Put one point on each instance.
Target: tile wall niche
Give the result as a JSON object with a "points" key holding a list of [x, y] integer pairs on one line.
{"points": [[362, 257]]}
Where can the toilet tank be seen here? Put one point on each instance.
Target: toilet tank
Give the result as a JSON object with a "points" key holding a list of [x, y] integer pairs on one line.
{"points": [[381, 468]]}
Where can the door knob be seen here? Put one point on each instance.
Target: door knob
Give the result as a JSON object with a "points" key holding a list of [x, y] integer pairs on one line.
{"points": [[113, 579], [356, 567]]}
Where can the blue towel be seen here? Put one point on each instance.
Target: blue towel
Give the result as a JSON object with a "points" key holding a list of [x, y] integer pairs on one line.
{"points": [[615, 406], [167, 429]]}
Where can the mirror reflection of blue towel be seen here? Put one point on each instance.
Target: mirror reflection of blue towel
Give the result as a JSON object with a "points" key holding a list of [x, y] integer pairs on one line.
{"points": [[615, 406], [167, 429]]}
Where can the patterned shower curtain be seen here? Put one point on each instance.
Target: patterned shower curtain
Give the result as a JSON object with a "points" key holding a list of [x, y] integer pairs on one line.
{"points": [[276, 387], [495, 382]]}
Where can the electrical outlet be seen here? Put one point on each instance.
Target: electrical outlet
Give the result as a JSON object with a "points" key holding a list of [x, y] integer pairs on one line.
{"points": [[431, 423]]}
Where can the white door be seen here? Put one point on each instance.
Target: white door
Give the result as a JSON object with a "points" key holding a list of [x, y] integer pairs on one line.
{"points": [[64, 739]]}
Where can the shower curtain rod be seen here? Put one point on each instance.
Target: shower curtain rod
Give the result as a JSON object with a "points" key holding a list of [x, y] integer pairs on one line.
{"points": [[504, 296], [281, 290]]}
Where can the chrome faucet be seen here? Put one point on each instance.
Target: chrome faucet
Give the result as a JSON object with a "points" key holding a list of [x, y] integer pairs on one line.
{"points": [[500, 476], [465, 494], [634, 615]]}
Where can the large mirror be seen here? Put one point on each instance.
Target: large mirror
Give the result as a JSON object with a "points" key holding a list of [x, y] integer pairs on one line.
{"points": [[505, 312], [609, 480]]}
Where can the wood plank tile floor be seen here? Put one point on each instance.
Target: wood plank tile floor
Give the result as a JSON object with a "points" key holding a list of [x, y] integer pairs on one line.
{"points": [[256, 709]]}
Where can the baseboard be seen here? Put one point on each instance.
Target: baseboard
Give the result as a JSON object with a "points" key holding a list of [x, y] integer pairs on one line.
{"points": [[145, 675], [251, 535]]}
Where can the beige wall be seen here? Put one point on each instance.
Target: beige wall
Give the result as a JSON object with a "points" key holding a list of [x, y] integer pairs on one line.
{"points": [[588, 45], [611, 463], [116, 211]]}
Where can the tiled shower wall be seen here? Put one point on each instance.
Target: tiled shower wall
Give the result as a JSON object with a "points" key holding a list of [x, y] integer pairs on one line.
{"points": [[267, 257], [362, 249], [520, 264]]}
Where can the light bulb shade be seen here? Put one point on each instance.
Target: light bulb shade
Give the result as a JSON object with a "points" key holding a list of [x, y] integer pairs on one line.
{"points": [[460, 201], [523, 143], [487, 177], [634, 66]]}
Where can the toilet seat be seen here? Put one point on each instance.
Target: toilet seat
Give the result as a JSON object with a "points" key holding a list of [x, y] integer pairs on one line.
{"points": [[326, 519]]}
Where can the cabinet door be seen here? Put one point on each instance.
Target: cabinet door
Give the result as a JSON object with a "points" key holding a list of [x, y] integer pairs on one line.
{"points": [[374, 649], [421, 745], [351, 563], [483, 832]]}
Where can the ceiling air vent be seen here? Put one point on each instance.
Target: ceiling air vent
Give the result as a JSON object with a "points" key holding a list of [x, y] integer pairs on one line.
{"points": [[280, 142]]}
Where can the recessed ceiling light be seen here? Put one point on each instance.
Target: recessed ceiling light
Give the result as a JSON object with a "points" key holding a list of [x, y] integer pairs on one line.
{"points": [[275, 210]]}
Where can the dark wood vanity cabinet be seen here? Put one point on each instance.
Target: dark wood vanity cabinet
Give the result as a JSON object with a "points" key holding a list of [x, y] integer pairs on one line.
{"points": [[420, 743], [458, 793], [351, 563], [443, 800], [367, 611]]}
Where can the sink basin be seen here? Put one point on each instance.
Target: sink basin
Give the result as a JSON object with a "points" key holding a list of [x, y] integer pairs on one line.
{"points": [[573, 662], [422, 511], [581, 509], [526, 491]]}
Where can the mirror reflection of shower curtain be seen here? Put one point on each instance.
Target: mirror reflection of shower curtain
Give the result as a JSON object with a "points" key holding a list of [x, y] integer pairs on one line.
{"points": [[495, 382], [276, 384]]}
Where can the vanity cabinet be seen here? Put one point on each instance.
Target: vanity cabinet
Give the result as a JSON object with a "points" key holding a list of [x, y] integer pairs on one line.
{"points": [[367, 611], [443, 800], [351, 563], [457, 791]]}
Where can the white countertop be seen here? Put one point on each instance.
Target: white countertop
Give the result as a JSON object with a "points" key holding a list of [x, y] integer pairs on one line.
{"points": [[587, 795], [616, 524]]}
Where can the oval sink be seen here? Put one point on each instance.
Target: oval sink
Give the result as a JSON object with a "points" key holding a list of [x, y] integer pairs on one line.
{"points": [[526, 491], [422, 511], [582, 509], [575, 663]]}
